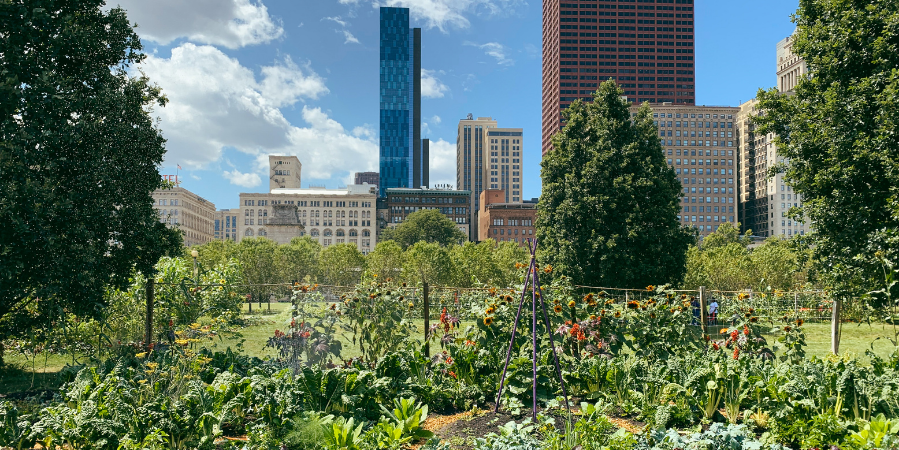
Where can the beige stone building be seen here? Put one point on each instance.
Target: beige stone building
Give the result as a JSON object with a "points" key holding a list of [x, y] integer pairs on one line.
{"points": [[764, 201], [190, 213], [284, 172], [700, 145], [790, 67], [226, 224], [488, 157], [330, 216]]}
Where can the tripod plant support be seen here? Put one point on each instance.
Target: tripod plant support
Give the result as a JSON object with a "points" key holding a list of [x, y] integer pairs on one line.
{"points": [[532, 280]]}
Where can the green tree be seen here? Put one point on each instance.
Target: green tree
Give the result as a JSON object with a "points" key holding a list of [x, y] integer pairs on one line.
{"points": [[386, 261], [839, 134], [342, 264], [428, 225], [79, 154], [475, 264], [727, 233], [259, 267], [427, 262], [299, 259], [608, 212]]}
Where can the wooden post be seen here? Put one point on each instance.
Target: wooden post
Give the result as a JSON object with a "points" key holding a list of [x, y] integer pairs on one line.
{"points": [[250, 305], [427, 314], [151, 291], [835, 328], [703, 310], [795, 305]]}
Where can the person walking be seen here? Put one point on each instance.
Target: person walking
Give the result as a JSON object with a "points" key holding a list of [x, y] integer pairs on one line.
{"points": [[713, 312]]}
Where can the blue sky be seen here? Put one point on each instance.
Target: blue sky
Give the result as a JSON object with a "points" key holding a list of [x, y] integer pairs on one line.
{"points": [[249, 78]]}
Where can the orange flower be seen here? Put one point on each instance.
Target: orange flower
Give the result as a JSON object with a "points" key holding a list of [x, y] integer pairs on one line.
{"points": [[724, 331], [633, 304], [650, 288], [557, 308], [745, 330], [799, 322], [736, 352], [452, 374], [548, 269]]}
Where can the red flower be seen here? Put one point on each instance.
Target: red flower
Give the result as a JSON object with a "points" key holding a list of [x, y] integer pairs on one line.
{"points": [[736, 352], [449, 360], [452, 374], [745, 330], [575, 329], [716, 346]]}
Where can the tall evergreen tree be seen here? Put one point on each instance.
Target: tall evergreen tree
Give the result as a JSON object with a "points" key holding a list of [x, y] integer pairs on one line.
{"points": [[839, 135], [608, 211]]}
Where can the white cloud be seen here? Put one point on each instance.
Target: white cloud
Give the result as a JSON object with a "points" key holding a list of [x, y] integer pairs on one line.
{"points": [[445, 14], [216, 103], [496, 50], [442, 162], [436, 119], [247, 180], [350, 39], [229, 23], [336, 20], [431, 86]]}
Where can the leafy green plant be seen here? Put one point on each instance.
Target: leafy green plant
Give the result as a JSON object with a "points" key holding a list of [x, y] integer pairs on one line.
{"points": [[878, 433], [342, 435], [409, 415]]}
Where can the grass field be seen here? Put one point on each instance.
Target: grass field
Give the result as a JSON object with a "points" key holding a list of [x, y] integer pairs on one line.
{"points": [[26, 374]]}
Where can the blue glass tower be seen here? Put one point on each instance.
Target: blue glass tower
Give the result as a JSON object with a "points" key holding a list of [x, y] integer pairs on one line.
{"points": [[401, 160]]}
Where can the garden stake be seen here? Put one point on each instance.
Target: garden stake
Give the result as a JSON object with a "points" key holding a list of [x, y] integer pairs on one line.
{"points": [[534, 339], [535, 288], [552, 344], [502, 381]]}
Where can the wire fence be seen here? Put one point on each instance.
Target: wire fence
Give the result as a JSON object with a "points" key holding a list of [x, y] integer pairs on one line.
{"points": [[773, 310]]}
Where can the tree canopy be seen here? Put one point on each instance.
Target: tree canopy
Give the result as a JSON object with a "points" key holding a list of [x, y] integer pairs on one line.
{"points": [[79, 154], [839, 136], [428, 225], [608, 212]]}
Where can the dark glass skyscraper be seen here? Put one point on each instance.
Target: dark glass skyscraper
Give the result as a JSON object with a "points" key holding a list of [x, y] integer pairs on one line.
{"points": [[402, 164]]}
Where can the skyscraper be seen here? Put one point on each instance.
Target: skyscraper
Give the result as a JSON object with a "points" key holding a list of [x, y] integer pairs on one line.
{"points": [[646, 46], [488, 157], [401, 160]]}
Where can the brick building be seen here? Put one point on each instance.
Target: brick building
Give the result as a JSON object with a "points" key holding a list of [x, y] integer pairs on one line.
{"points": [[502, 221]]}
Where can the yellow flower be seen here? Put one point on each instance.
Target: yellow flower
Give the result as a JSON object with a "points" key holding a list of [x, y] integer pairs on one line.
{"points": [[571, 304], [152, 365], [488, 320], [181, 341], [141, 381], [141, 354], [650, 288]]}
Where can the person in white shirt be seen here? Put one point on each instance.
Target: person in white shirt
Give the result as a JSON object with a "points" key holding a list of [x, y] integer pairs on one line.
{"points": [[713, 312]]}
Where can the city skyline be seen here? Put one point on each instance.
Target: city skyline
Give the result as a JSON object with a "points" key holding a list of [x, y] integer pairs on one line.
{"points": [[285, 78]]}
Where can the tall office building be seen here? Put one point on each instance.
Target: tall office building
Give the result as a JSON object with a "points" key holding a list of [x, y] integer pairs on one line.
{"points": [[765, 201], [645, 45], [402, 163], [488, 157], [700, 145]]}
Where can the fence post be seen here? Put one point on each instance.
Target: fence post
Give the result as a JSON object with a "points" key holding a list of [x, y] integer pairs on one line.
{"points": [[151, 291], [835, 328], [427, 314], [703, 310]]}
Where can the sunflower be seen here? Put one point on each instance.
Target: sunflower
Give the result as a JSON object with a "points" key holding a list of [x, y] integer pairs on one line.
{"points": [[747, 315], [488, 321], [571, 304], [650, 288], [788, 329], [548, 269], [724, 331], [491, 309], [633, 304], [557, 308], [799, 322], [753, 319], [617, 314]]}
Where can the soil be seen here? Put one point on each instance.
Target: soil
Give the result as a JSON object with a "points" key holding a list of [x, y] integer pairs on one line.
{"points": [[460, 429]]}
